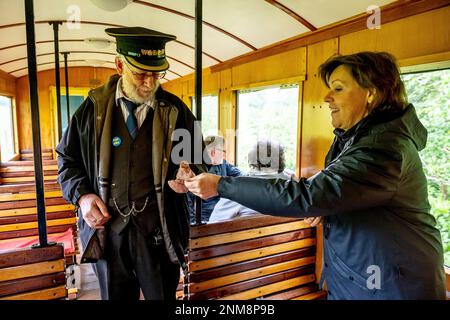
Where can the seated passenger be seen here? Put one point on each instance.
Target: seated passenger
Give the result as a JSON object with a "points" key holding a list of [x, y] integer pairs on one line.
{"points": [[266, 160], [215, 147]]}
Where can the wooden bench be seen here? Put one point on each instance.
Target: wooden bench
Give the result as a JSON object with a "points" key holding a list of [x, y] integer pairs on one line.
{"points": [[18, 217], [47, 154], [18, 212], [33, 274], [257, 257], [22, 172]]}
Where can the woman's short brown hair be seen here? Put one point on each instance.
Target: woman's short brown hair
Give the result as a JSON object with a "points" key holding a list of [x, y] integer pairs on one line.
{"points": [[372, 70]]}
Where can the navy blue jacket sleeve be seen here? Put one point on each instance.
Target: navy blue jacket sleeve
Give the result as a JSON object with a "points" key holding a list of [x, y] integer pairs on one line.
{"points": [[232, 171]]}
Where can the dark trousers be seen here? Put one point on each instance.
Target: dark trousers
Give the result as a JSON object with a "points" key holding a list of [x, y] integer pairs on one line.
{"points": [[135, 263]]}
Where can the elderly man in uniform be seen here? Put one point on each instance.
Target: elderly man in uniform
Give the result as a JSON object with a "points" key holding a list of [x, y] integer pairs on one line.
{"points": [[115, 165]]}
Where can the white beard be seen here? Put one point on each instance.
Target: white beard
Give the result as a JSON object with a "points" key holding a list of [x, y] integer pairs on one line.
{"points": [[131, 91]]}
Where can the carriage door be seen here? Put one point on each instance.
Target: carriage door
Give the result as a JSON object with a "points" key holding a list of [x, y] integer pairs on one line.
{"points": [[76, 97]]}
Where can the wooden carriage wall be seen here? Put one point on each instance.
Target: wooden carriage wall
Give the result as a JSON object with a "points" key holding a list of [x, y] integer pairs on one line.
{"points": [[413, 38], [417, 36]]}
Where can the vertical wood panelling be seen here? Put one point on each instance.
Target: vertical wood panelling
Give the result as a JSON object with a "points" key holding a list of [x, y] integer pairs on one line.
{"points": [[415, 36], [281, 66], [7, 84], [317, 133], [78, 77]]}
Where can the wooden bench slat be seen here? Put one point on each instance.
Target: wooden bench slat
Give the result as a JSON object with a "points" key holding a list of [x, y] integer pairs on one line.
{"points": [[71, 259], [32, 283], [240, 223], [36, 237], [293, 293], [249, 265], [219, 250], [250, 284], [4, 169], [251, 254], [28, 187], [27, 179], [44, 157], [25, 155], [270, 288], [28, 196], [27, 255], [30, 203], [32, 232], [312, 296], [45, 294], [28, 174], [25, 211], [31, 150], [27, 163], [31, 270], [250, 274], [32, 225], [246, 234], [31, 218]]}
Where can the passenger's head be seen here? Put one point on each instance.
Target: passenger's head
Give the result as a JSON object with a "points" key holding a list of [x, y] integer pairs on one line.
{"points": [[215, 146], [141, 60], [267, 154], [361, 84]]}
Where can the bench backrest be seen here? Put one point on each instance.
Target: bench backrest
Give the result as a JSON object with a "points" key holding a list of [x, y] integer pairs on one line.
{"points": [[33, 274], [258, 257]]}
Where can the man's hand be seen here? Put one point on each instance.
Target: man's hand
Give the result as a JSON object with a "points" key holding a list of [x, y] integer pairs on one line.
{"points": [[184, 173], [313, 221], [94, 210]]}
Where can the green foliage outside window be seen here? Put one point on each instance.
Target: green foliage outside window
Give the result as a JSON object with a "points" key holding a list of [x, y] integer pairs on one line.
{"points": [[430, 94], [267, 114]]}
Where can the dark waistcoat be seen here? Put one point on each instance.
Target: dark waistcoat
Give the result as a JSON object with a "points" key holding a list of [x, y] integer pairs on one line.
{"points": [[131, 176]]}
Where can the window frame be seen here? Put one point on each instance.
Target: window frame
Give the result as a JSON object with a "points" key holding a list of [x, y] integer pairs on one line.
{"points": [[78, 91], [12, 97], [421, 68], [294, 81], [207, 94]]}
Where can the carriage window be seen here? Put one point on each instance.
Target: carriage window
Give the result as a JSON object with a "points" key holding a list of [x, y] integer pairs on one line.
{"points": [[267, 114], [6, 129], [74, 103], [210, 114], [432, 102]]}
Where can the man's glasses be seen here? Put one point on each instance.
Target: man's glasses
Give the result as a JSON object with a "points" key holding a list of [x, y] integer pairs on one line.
{"points": [[142, 75]]}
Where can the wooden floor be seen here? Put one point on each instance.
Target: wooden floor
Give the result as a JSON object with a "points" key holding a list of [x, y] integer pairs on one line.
{"points": [[89, 289]]}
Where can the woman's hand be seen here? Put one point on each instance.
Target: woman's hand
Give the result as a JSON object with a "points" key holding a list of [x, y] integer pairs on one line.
{"points": [[204, 185]]}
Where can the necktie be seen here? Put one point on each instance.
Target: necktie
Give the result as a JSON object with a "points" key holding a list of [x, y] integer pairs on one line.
{"points": [[131, 119]]}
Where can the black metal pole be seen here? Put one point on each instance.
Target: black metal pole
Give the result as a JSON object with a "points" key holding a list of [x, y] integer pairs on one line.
{"points": [[66, 75], [198, 86], [34, 108], [58, 85]]}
